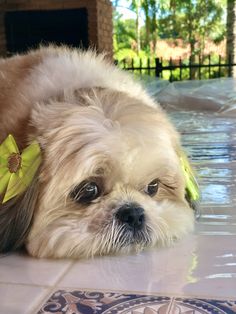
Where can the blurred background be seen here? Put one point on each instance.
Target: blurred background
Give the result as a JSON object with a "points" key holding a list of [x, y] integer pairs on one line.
{"points": [[171, 39]]}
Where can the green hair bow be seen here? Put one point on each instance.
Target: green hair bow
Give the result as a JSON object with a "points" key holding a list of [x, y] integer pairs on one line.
{"points": [[17, 170], [192, 188]]}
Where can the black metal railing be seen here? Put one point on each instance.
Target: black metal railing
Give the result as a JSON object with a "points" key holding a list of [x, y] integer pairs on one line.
{"points": [[177, 70]]}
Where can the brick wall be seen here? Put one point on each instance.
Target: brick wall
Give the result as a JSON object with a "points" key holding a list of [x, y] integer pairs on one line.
{"points": [[104, 13], [99, 18]]}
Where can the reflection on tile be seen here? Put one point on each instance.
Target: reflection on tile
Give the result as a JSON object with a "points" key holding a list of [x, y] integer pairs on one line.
{"points": [[215, 194], [78, 302], [22, 269], [19, 299], [190, 268]]}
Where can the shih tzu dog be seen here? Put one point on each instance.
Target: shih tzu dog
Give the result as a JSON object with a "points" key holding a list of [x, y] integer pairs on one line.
{"points": [[89, 163]]}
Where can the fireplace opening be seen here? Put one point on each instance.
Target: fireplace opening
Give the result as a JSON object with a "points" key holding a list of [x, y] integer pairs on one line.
{"points": [[28, 29]]}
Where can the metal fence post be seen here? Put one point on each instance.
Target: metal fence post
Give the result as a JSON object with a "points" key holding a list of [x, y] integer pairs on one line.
{"points": [[158, 67], [230, 68]]}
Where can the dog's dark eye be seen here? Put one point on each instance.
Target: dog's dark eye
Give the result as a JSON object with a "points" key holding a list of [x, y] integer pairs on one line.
{"points": [[86, 192], [152, 188]]}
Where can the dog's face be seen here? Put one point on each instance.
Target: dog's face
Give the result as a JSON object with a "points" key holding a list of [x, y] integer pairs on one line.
{"points": [[111, 179]]}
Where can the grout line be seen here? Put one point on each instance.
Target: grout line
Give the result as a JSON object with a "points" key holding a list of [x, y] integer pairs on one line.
{"points": [[170, 306], [23, 284], [52, 288], [176, 295], [41, 300]]}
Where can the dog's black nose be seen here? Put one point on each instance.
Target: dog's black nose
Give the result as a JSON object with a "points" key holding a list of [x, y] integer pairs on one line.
{"points": [[132, 215]]}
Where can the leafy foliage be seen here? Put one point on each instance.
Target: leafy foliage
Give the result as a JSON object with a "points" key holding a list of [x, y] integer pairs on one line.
{"points": [[193, 21]]}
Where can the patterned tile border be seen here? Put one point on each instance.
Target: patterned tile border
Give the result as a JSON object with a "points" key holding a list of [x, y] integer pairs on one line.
{"points": [[84, 302]]}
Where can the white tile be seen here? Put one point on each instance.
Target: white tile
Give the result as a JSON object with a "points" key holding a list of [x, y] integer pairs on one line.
{"points": [[22, 269], [18, 299], [132, 272], [194, 267]]}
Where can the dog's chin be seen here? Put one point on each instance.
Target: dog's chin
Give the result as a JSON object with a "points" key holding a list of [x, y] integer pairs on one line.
{"points": [[69, 238], [123, 239], [116, 240]]}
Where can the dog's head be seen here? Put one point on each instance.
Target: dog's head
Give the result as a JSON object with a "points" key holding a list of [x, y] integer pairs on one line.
{"points": [[111, 179]]}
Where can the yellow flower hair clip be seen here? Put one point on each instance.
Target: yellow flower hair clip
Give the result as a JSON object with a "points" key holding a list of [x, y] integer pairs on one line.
{"points": [[17, 170], [192, 188]]}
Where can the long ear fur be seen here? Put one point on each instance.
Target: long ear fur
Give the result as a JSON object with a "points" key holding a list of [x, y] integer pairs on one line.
{"points": [[16, 217]]}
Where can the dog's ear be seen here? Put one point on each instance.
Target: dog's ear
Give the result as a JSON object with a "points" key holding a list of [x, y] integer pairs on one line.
{"points": [[16, 218]]}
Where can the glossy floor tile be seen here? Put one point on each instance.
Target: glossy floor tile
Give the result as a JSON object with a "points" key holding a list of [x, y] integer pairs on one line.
{"points": [[177, 279], [20, 299], [195, 267], [22, 269]]}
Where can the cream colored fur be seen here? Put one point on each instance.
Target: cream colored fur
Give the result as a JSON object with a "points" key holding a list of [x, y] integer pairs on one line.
{"points": [[92, 121]]}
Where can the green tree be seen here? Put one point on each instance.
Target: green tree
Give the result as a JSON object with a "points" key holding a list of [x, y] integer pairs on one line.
{"points": [[231, 32], [124, 34], [150, 9], [124, 37], [193, 21], [136, 6]]}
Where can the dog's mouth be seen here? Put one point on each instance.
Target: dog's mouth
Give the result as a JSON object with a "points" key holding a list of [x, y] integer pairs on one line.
{"points": [[133, 236], [118, 237]]}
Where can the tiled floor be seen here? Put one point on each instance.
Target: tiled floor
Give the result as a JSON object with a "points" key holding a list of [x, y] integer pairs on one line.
{"points": [[203, 265]]}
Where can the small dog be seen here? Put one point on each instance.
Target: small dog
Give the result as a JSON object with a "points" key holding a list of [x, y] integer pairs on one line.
{"points": [[110, 178]]}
